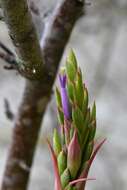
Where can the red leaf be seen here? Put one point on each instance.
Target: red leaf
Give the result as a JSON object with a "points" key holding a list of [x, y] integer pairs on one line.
{"points": [[80, 180], [84, 174], [55, 166]]}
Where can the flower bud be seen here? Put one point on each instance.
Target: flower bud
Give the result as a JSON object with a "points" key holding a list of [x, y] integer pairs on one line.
{"points": [[74, 155]]}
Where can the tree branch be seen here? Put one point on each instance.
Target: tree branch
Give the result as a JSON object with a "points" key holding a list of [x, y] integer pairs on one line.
{"points": [[8, 112], [8, 56], [23, 34], [57, 32], [37, 92]]}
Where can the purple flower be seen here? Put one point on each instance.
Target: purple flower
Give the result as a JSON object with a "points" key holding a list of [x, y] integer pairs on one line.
{"points": [[64, 97]]}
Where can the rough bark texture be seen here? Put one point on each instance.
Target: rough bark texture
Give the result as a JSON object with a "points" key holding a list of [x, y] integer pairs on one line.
{"points": [[38, 84], [23, 34]]}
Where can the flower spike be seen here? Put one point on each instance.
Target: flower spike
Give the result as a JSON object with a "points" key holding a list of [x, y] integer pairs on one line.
{"points": [[74, 145]]}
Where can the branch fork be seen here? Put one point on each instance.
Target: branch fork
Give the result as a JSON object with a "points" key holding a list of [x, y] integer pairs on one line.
{"points": [[39, 66]]}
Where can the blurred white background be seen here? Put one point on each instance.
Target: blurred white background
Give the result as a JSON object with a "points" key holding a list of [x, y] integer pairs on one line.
{"points": [[100, 43]]}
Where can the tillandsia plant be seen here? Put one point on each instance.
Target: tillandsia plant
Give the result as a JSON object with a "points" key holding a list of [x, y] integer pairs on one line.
{"points": [[74, 147]]}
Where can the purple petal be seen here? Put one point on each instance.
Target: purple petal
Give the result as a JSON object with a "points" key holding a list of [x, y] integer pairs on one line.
{"points": [[62, 79], [64, 96]]}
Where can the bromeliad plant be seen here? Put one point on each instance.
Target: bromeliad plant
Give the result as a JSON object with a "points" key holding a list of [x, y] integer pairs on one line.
{"points": [[74, 146]]}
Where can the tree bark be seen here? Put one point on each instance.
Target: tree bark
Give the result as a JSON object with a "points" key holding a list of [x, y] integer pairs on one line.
{"points": [[40, 75]]}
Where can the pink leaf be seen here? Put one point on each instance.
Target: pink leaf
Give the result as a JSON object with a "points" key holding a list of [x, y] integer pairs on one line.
{"points": [[84, 174], [55, 166], [80, 180]]}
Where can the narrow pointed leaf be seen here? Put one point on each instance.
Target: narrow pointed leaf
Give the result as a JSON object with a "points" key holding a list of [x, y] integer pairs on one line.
{"points": [[79, 90], [87, 119], [65, 178], [58, 185], [62, 161], [93, 113], [70, 90], [56, 142], [72, 58], [85, 139], [88, 151], [58, 98], [80, 180], [84, 173], [71, 66], [67, 127], [85, 102], [92, 129], [60, 116], [78, 119]]}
